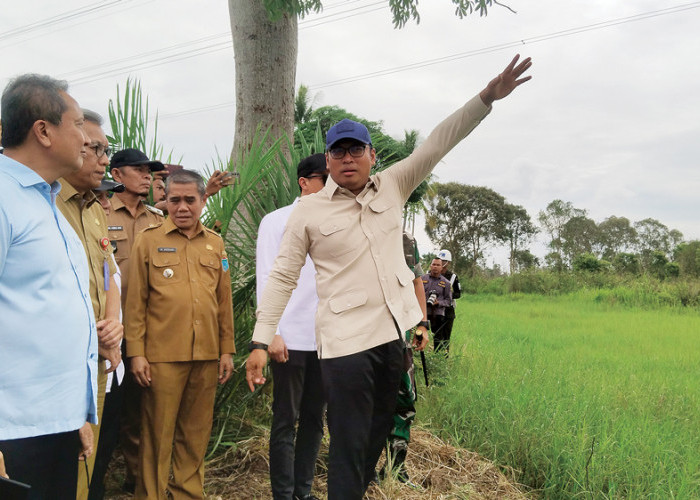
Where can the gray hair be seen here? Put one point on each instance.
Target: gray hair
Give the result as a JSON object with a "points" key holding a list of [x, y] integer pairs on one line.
{"points": [[26, 99], [186, 177], [92, 117]]}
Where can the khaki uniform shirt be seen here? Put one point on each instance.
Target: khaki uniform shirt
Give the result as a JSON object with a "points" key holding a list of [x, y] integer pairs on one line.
{"points": [[123, 228], [89, 222], [178, 307], [365, 289]]}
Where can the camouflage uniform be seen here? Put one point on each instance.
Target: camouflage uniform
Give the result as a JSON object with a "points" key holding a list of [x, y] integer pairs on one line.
{"points": [[405, 403]]}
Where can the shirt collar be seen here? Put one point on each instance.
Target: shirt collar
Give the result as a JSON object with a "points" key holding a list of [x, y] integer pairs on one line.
{"points": [[117, 203], [23, 174], [68, 192], [169, 226], [331, 187]]}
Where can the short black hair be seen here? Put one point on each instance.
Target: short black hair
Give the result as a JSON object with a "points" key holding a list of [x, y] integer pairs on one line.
{"points": [[185, 176], [314, 164], [26, 99]]}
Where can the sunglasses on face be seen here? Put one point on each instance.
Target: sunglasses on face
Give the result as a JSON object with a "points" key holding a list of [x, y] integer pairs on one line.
{"points": [[338, 152]]}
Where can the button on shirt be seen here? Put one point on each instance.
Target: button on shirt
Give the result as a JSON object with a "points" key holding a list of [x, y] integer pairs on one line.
{"points": [[48, 341], [178, 306], [297, 323], [123, 228], [364, 287]]}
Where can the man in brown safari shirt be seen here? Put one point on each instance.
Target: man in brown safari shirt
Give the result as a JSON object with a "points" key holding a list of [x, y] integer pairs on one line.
{"points": [[179, 337], [77, 203], [127, 216]]}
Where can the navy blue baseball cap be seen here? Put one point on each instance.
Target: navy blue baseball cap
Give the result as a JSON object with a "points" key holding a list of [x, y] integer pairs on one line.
{"points": [[347, 129]]}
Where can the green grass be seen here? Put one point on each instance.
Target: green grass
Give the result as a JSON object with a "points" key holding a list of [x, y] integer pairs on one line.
{"points": [[585, 399]]}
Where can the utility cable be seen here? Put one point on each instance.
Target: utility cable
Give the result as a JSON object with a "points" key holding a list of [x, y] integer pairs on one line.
{"points": [[472, 53]]}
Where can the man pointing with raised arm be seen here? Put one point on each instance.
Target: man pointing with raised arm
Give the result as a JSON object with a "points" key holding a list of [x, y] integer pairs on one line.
{"points": [[352, 231]]}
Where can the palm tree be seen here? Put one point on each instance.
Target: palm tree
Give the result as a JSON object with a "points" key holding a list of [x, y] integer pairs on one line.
{"points": [[303, 102]]}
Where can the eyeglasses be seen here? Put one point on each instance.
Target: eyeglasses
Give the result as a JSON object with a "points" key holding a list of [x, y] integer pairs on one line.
{"points": [[100, 150], [318, 176], [356, 150]]}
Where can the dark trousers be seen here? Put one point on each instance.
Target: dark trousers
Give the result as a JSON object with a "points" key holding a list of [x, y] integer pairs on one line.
{"points": [[297, 396], [130, 423], [48, 463], [441, 337], [109, 439], [361, 391]]}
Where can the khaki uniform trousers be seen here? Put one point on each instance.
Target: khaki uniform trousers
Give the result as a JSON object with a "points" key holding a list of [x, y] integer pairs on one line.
{"points": [[83, 477], [176, 418]]}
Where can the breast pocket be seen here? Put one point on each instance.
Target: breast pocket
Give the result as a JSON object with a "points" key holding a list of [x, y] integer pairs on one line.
{"points": [[335, 239], [120, 245], [209, 268], [387, 216], [166, 269]]}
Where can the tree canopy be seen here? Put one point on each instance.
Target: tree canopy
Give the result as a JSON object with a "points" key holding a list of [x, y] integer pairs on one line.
{"points": [[463, 219], [402, 11]]}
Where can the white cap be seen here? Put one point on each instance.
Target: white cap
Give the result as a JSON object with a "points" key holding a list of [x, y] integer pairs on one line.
{"points": [[444, 255]]}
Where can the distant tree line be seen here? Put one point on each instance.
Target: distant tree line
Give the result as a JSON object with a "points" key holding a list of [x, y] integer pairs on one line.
{"points": [[468, 219]]}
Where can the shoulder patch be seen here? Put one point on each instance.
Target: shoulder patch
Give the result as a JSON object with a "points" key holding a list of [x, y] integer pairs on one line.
{"points": [[153, 226], [154, 210]]}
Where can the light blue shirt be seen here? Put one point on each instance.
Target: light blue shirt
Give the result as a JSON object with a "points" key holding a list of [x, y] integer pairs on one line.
{"points": [[48, 341]]}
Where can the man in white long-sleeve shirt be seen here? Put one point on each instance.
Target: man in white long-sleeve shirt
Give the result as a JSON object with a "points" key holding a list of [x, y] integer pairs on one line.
{"points": [[297, 389]]}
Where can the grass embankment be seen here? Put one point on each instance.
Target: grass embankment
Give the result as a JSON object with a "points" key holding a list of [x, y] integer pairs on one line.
{"points": [[585, 399]]}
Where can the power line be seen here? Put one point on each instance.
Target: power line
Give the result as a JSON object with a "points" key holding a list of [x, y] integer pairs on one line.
{"points": [[94, 67], [472, 53], [516, 43], [160, 61], [57, 19], [221, 41], [73, 18]]}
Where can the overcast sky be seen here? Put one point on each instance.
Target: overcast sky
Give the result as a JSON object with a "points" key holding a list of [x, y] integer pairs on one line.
{"points": [[610, 121]]}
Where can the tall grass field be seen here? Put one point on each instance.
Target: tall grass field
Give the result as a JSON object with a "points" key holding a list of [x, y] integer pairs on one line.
{"points": [[583, 399]]}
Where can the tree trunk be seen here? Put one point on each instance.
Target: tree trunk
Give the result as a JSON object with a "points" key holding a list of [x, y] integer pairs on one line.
{"points": [[266, 59]]}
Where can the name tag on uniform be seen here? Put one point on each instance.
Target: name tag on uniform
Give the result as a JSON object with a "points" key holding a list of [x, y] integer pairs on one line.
{"points": [[115, 228], [166, 249]]}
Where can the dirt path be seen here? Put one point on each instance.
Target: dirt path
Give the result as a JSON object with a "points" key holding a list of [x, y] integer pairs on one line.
{"points": [[436, 469]]}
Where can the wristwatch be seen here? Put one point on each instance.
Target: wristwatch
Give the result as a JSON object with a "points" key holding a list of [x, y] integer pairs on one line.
{"points": [[256, 345], [424, 323]]}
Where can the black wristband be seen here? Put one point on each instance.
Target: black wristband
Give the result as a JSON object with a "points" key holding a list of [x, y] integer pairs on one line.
{"points": [[256, 345], [425, 324]]}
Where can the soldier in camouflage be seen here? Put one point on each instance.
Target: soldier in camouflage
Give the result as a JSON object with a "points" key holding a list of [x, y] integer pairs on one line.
{"points": [[405, 403]]}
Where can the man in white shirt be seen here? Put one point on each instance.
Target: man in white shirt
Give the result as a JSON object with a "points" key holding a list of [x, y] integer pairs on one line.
{"points": [[297, 390]]}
